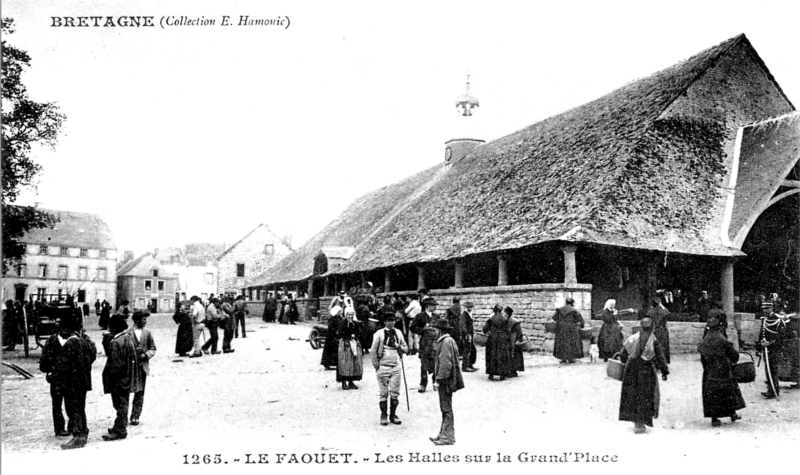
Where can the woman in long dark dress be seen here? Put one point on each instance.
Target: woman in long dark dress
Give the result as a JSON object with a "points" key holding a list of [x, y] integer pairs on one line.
{"points": [[721, 394], [659, 315], [184, 342], [609, 341], [568, 346], [349, 367], [499, 351], [330, 352], [640, 398], [515, 328]]}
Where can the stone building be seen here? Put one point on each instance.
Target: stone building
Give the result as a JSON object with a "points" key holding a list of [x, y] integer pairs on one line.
{"points": [[76, 257], [671, 183], [147, 285], [249, 257]]}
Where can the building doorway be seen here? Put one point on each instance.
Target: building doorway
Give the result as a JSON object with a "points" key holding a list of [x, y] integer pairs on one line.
{"points": [[19, 292], [154, 305], [81, 296]]}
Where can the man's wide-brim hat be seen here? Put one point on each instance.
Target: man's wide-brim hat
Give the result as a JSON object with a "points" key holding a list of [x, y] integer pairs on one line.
{"points": [[469, 304], [442, 324], [429, 301], [388, 317]]}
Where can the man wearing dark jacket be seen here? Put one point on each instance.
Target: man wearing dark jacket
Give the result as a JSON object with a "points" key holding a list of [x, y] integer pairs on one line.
{"points": [[467, 332], [447, 380], [120, 376], [67, 359]]}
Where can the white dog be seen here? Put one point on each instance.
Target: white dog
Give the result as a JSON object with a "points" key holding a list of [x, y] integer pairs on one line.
{"points": [[594, 353]]}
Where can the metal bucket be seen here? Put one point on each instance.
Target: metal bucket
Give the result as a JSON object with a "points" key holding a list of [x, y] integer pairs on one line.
{"points": [[745, 372]]}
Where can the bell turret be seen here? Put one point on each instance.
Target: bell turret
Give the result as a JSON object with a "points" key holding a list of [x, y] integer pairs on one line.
{"points": [[458, 148]]}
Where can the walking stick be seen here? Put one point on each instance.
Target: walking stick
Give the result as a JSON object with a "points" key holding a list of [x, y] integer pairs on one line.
{"points": [[405, 383]]}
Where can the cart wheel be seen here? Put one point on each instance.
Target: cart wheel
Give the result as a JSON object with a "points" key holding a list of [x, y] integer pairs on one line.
{"points": [[313, 339]]}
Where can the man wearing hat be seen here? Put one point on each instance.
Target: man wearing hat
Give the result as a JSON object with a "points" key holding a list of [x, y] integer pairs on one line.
{"points": [[120, 378], [427, 338], [67, 359], [467, 333], [145, 351], [388, 347], [447, 380], [770, 341], [412, 310], [342, 300]]}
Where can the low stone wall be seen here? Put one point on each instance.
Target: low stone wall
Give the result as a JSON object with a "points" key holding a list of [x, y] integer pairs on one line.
{"points": [[685, 336], [303, 307]]}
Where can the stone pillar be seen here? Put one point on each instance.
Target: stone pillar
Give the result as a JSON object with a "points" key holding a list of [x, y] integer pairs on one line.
{"points": [[310, 288], [459, 283], [344, 284], [726, 291], [502, 269], [570, 276], [387, 280], [297, 289], [421, 278]]}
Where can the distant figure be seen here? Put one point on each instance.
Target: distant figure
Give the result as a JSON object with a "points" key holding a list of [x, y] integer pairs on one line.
{"points": [[330, 352], [349, 367], [228, 324], [184, 340], [499, 348], [770, 343], [609, 341], [412, 310], [659, 315], [639, 401], [213, 319], [97, 307], [568, 346], [467, 331], [11, 333], [515, 330], [388, 347], [452, 314], [124, 309], [721, 394], [270, 307], [719, 317], [703, 306], [240, 312], [198, 313], [422, 326], [86, 309]]}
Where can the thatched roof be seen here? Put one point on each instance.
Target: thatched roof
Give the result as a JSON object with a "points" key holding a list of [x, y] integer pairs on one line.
{"points": [[74, 229], [641, 167], [767, 153]]}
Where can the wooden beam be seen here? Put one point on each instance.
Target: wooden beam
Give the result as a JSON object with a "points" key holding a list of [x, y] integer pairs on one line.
{"points": [[791, 183]]}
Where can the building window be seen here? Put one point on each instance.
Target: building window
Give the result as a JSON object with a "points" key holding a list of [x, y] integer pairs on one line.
{"points": [[208, 278], [62, 272], [22, 270], [239, 270], [103, 253], [63, 251], [165, 304], [160, 285], [60, 293], [43, 250], [148, 285], [139, 303], [269, 249], [84, 252], [155, 272], [43, 270], [40, 293], [102, 274], [83, 273]]}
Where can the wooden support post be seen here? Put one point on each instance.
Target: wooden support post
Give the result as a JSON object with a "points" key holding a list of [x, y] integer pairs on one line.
{"points": [[570, 274], [502, 269], [421, 278], [459, 281], [387, 280], [310, 288], [726, 291]]}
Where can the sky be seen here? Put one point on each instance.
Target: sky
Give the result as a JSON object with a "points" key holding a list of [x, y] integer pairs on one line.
{"points": [[199, 133]]}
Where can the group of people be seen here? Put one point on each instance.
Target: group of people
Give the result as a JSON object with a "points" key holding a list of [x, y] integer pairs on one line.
{"points": [[282, 310], [194, 317], [67, 359], [437, 342]]}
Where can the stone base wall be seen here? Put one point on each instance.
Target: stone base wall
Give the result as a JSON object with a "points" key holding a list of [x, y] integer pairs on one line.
{"points": [[303, 306], [685, 336]]}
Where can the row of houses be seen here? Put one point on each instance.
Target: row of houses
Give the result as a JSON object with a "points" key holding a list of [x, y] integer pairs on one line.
{"points": [[78, 257], [677, 182]]}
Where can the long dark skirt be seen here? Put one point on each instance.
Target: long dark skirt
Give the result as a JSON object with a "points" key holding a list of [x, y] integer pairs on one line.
{"points": [[662, 335], [499, 355], [519, 360], [640, 397], [568, 345], [330, 352], [350, 366], [184, 341], [609, 341], [721, 396]]}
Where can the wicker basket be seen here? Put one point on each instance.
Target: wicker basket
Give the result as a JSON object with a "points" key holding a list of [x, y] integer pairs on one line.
{"points": [[745, 372], [550, 327], [615, 369], [586, 333]]}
